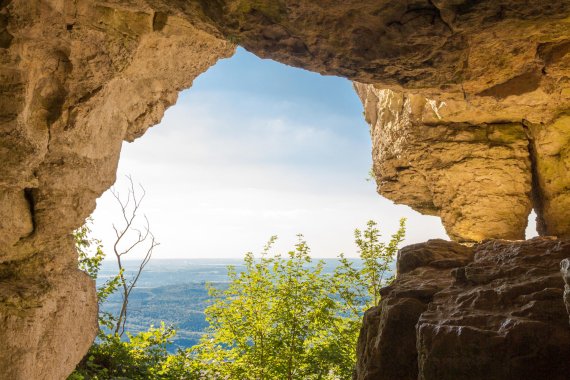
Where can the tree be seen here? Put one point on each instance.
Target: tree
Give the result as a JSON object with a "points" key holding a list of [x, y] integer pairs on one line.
{"points": [[265, 324], [357, 289], [129, 238], [284, 318], [90, 257], [281, 317], [361, 287], [142, 355]]}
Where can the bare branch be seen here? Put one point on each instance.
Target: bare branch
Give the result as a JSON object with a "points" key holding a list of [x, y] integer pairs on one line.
{"points": [[143, 237]]}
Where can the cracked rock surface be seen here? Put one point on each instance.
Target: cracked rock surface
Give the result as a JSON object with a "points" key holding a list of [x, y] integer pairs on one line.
{"points": [[72, 90], [467, 102], [493, 311], [480, 169], [476, 177]]}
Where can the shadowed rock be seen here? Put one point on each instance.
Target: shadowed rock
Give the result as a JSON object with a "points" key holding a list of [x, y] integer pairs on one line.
{"points": [[501, 316]]}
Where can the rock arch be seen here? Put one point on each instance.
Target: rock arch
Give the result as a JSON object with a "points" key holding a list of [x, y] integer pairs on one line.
{"points": [[467, 103]]}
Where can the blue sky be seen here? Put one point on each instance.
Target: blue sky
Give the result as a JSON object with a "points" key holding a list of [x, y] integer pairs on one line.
{"points": [[256, 148]]}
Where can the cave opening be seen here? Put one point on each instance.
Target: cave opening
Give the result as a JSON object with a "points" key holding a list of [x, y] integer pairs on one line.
{"points": [[101, 72], [257, 148], [253, 149]]}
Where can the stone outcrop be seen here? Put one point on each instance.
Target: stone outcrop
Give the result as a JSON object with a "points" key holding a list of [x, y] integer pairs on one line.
{"points": [[481, 157], [476, 177], [379, 357], [480, 168], [73, 88], [493, 311], [550, 145], [480, 137], [47, 325]]}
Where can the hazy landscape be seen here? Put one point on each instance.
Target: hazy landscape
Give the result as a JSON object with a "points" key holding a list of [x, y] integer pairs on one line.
{"points": [[174, 291]]}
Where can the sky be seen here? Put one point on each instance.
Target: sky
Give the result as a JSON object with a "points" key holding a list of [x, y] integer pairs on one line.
{"points": [[253, 149]]}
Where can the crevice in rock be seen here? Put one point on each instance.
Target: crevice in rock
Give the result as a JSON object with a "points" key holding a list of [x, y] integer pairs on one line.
{"points": [[518, 85], [29, 195], [5, 36], [438, 11], [89, 95], [537, 195], [552, 52], [80, 101], [159, 20]]}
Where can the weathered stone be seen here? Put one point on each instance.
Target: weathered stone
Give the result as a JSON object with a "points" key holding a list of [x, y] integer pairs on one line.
{"points": [[38, 317], [501, 316], [387, 341], [476, 177], [509, 325], [429, 151], [551, 146], [393, 322], [72, 89], [15, 217], [446, 46], [485, 86], [565, 269], [435, 253]]}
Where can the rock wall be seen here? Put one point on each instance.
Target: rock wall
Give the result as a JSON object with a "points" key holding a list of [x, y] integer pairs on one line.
{"points": [[480, 167], [467, 102], [493, 311], [565, 269], [72, 90], [477, 177]]}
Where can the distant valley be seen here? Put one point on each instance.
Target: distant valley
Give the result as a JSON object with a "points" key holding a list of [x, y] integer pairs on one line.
{"points": [[174, 291]]}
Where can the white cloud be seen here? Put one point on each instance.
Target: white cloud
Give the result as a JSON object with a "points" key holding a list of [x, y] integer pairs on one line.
{"points": [[225, 170]]}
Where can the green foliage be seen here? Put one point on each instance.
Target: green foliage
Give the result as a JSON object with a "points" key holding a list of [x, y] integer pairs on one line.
{"points": [[280, 318], [370, 176], [283, 318], [376, 258], [90, 257], [140, 356], [268, 323], [89, 261]]}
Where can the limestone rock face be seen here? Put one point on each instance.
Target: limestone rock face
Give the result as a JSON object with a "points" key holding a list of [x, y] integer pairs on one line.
{"points": [[500, 316], [480, 169], [506, 145], [77, 78], [38, 318], [551, 145], [443, 45], [467, 102], [476, 177]]}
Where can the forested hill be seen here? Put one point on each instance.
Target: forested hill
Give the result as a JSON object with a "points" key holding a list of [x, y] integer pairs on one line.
{"points": [[174, 291]]}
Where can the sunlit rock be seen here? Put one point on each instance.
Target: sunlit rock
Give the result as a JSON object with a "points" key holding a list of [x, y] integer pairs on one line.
{"points": [[476, 177], [480, 136]]}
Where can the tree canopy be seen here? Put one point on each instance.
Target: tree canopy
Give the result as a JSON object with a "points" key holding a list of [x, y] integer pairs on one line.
{"points": [[282, 317]]}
